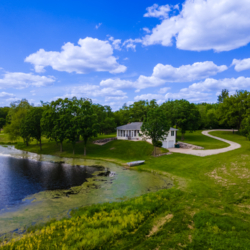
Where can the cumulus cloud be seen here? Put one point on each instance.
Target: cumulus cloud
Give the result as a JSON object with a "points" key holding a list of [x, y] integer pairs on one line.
{"points": [[89, 55], [6, 95], [115, 43], [231, 84], [131, 43], [164, 90], [115, 98], [89, 91], [204, 25], [148, 97], [147, 30], [21, 80], [158, 11], [241, 65], [204, 91], [166, 73], [117, 83]]}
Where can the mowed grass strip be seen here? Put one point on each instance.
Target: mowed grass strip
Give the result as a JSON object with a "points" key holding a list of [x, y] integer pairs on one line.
{"points": [[198, 139]]}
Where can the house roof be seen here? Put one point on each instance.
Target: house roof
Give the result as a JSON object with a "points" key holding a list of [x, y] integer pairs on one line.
{"points": [[135, 126], [131, 126]]}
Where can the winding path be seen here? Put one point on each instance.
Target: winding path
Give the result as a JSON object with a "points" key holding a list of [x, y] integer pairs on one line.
{"points": [[191, 151]]}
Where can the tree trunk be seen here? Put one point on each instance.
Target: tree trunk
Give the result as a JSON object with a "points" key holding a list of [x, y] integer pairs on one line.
{"points": [[84, 150], [61, 147], [40, 145], [182, 137], [154, 151], [27, 143], [73, 149]]}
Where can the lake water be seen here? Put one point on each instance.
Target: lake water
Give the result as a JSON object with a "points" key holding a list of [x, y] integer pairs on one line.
{"points": [[35, 188]]}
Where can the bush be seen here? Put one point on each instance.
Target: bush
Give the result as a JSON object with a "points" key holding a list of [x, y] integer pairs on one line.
{"points": [[158, 144]]}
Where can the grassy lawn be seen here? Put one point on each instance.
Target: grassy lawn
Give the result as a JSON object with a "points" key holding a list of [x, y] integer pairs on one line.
{"points": [[198, 139], [209, 207]]}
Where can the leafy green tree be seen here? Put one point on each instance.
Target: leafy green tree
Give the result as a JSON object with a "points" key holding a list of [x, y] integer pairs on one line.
{"points": [[2, 122], [31, 125], [55, 120], [245, 127], [212, 120], [109, 125], [224, 94], [15, 117], [87, 123], [186, 116], [156, 126], [234, 109]]}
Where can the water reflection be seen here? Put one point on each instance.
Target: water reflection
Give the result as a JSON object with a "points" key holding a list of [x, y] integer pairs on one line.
{"points": [[22, 177]]}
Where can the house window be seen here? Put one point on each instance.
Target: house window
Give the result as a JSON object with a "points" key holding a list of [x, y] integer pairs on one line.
{"points": [[172, 133], [135, 133]]}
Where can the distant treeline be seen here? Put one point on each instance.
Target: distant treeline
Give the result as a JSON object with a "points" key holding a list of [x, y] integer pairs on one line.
{"points": [[74, 119]]}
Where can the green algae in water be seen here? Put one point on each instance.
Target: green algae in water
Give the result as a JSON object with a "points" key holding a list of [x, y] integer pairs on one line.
{"points": [[46, 205]]}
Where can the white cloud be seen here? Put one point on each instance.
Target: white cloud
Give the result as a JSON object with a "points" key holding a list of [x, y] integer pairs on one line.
{"points": [[147, 30], [98, 26], [205, 24], [231, 84], [91, 55], [117, 83], [241, 65], [167, 73], [89, 91], [5, 95], [115, 43], [164, 90], [187, 73], [115, 98], [130, 43], [192, 96], [158, 11], [148, 97], [21, 80]]}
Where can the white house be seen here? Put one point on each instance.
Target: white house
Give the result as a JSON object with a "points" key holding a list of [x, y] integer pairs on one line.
{"points": [[131, 132]]}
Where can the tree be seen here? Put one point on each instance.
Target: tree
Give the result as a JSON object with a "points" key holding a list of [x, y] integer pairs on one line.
{"points": [[186, 116], [87, 125], [224, 94], [2, 122], [31, 125], [245, 127], [16, 114], [156, 126], [55, 120], [234, 109]]}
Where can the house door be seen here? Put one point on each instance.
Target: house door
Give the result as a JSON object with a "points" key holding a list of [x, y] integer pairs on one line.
{"points": [[171, 144], [132, 133]]}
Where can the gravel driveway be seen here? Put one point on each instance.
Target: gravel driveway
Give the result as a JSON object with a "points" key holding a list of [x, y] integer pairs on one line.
{"points": [[190, 151]]}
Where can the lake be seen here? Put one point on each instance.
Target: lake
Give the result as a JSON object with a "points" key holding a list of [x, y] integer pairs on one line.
{"points": [[35, 188]]}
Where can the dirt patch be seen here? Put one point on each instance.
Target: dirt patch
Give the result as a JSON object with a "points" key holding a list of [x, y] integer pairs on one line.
{"points": [[227, 176], [104, 141], [160, 223]]}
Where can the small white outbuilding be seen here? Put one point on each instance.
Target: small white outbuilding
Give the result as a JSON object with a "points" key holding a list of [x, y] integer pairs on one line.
{"points": [[132, 132]]}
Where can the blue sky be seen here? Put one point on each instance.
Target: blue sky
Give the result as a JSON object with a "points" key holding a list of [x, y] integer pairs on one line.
{"points": [[118, 52]]}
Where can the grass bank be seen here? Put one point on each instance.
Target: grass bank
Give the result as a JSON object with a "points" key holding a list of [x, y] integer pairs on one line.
{"points": [[198, 139], [208, 208]]}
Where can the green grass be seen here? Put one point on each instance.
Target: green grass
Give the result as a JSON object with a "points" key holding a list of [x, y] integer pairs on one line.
{"points": [[116, 151], [210, 205], [198, 139]]}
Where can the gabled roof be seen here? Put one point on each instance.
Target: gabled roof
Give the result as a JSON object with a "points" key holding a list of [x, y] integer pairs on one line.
{"points": [[135, 126], [131, 126]]}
